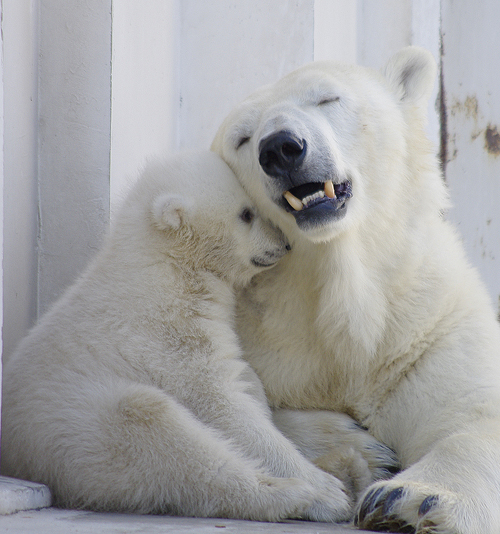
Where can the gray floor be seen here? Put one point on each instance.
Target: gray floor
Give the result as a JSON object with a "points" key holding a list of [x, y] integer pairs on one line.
{"points": [[19, 500], [55, 521]]}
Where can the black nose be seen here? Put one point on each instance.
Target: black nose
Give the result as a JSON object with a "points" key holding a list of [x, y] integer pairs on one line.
{"points": [[281, 153]]}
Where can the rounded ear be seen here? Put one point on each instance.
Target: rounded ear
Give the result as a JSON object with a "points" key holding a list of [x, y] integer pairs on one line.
{"points": [[411, 73], [170, 211]]}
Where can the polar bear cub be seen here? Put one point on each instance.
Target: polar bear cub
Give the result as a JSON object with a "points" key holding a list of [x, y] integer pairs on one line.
{"points": [[130, 393]]}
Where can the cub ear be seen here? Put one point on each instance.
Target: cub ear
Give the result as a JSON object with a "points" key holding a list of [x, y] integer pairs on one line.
{"points": [[170, 211], [411, 73]]}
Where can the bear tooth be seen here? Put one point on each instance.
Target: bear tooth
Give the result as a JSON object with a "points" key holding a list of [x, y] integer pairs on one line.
{"points": [[314, 196], [329, 189], [293, 200]]}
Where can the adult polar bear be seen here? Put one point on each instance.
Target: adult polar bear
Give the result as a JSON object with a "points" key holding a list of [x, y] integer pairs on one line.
{"points": [[376, 312]]}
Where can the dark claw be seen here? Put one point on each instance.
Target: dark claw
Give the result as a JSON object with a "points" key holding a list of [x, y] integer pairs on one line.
{"points": [[369, 505], [393, 496], [359, 426], [395, 468], [428, 503], [392, 469], [376, 512], [403, 528], [388, 460]]}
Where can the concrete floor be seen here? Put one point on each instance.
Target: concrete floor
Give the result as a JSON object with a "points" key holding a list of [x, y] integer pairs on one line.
{"points": [[25, 509], [56, 521]]}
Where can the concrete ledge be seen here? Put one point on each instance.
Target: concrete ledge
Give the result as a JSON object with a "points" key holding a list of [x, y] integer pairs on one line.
{"points": [[17, 495], [25, 509], [57, 521]]}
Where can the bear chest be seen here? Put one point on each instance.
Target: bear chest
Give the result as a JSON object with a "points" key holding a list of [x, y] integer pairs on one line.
{"points": [[297, 362]]}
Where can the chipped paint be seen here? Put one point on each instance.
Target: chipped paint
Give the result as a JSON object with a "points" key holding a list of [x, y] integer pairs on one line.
{"points": [[492, 140], [473, 131], [443, 113], [469, 110], [469, 107]]}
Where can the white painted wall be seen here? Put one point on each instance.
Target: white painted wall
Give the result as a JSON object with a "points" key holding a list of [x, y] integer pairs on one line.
{"points": [[94, 87], [74, 94], [425, 31], [20, 37], [471, 60], [228, 49], [1, 208], [145, 87], [335, 32], [385, 26]]}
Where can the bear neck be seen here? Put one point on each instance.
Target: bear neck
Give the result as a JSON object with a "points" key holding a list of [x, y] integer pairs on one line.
{"points": [[362, 282], [164, 270], [350, 294]]}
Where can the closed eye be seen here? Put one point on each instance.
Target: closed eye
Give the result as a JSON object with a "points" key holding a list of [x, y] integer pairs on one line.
{"points": [[242, 141], [328, 100]]}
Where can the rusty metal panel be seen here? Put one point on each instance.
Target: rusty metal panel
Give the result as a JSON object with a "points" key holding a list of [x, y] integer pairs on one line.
{"points": [[471, 129]]}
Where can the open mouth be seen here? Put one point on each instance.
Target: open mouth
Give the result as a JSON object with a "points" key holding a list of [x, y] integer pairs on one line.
{"points": [[309, 195]]}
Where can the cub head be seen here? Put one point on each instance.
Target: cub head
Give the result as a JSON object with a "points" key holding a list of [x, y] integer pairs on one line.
{"points": [[201, 217], [327, 147]]}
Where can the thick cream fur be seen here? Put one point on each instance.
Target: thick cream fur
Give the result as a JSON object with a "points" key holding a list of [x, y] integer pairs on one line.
{"points": [[130, 393], [378, 315]]}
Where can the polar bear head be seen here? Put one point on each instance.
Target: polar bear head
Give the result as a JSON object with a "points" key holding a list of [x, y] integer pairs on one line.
{"points": [[329, 146], [191, 209]]}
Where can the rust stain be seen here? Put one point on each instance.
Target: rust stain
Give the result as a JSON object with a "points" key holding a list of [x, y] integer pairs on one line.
{"points": [[443, 113], [492, 140], [469, 107]]}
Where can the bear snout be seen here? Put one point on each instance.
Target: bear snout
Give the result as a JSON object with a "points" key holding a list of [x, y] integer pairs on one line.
{"points": [[281, 153], [275, 246], [270, 257]]}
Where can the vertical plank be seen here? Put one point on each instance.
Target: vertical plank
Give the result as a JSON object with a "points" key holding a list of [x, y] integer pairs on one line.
{"points": [[145, 87], [1, 212], [335, 36], [426, 32], [74, 139], [471, 75], [228, 49], [19, 32], [383, 28]]}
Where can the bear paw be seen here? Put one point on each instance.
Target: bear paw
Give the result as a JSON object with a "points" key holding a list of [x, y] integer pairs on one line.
{"points": [[410, 507], [360, 464], [340, 446]]}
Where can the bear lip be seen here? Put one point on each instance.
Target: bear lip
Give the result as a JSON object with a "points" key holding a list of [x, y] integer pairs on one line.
{"points": [[258, 263], [309, 195]]}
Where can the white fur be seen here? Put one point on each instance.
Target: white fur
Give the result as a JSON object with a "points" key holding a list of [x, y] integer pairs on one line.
{"points": [[130, 394], [378, 314]]}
